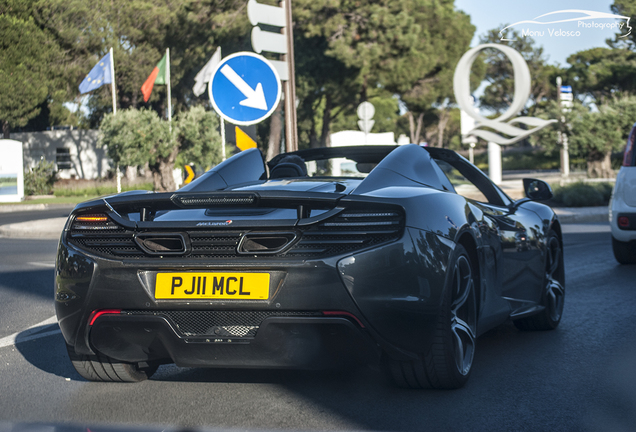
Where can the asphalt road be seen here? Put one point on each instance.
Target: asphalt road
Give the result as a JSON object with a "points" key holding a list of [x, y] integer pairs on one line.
{"points": [[61, 210], [578, 377]]}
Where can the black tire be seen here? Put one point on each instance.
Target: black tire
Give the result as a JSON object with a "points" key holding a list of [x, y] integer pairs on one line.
{"points": [[102, 368], [553, 295], [447, 363], [624, 252]]}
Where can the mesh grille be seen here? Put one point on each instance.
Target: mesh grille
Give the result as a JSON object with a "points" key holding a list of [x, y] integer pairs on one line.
{"points": [[347, 232], [219, 323]]}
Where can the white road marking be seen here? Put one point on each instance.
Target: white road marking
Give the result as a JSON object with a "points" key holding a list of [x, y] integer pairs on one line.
{"points": [[42, 264], [28, 334]]}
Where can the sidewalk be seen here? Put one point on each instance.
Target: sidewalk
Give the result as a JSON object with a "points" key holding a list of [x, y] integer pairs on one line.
{"points": [[38, 229], [52, 228]]}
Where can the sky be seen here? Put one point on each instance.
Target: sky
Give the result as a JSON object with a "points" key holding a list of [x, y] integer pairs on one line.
{"points": [[490, 14]]}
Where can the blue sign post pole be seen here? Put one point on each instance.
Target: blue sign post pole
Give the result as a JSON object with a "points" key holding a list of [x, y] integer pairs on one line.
{"points": [[245, 88]]}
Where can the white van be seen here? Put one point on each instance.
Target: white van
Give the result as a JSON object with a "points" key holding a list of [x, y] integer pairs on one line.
{"points": [[622, 211]]}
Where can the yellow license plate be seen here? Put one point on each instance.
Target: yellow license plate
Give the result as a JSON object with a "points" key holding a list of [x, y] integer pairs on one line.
{"points": [[212, 285]]}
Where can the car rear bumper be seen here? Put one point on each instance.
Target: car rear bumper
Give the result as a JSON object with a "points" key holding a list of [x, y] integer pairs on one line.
{"points": [[280, 342], [387, 292], [618, 209]]}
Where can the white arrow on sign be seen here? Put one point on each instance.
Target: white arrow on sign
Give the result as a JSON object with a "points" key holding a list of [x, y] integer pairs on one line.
{"points": [[255, 98]]}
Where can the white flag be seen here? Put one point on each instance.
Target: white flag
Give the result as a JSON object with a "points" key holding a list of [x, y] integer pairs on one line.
{"points": [[204, 75]]}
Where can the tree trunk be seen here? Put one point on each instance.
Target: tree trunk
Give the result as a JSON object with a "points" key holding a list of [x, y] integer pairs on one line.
{"points": [[418, 130], [275, 132], [325, 138], [6, 130], [313, 135], [599, 165], [131, 174], [444, 117], [414, 129], [162, 172]]}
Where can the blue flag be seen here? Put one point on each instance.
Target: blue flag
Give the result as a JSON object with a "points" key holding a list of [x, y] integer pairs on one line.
{"points": [[98, 76]]}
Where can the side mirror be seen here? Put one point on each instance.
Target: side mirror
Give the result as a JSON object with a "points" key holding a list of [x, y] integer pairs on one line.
{"points": [[537, 190]]}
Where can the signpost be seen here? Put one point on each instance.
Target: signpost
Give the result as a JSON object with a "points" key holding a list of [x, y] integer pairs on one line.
{"points": [[565, 99], [245, 88], [190, 175], [279, 42], [366, 111], [265, 40]]}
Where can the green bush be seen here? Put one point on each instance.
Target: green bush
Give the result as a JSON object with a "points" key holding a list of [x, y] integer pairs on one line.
{"points": [[39, 180], [583, 194], [533, 159]]}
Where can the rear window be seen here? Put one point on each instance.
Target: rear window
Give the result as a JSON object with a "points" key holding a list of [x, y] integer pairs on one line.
{"points": [[628, 158]]}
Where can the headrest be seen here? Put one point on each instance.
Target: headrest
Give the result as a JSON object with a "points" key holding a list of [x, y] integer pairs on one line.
{"points": [[285, 170]]}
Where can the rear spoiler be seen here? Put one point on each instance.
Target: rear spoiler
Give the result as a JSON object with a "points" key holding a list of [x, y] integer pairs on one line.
{"points": [[148, 204]]}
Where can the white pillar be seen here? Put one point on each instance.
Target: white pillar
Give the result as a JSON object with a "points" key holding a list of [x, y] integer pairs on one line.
{"points": [[565, 156], [494, 162]]}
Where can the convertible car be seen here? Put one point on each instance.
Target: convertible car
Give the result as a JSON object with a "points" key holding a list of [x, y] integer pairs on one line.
{"points": [[395, 255]]}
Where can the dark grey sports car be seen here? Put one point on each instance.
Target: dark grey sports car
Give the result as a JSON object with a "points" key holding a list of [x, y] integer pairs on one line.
{"points": [[398, 255]]}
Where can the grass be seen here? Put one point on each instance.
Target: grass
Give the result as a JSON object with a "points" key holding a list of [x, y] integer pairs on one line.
{"points": [[94, 188], [77, 191]]}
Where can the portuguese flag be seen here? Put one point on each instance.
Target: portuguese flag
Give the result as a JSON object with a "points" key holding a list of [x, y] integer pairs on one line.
{"points": [[157, 76]]}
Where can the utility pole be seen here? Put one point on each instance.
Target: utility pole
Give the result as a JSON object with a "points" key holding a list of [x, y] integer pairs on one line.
{"points": [[291, 129]]}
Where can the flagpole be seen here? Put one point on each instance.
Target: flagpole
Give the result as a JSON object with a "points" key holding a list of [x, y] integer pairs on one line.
{"points": [[112, 88], [168, 82], [112, 80]]}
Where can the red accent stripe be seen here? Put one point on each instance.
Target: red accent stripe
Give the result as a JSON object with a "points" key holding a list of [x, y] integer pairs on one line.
{"points": [[146, 88], [343, 313], [97, 314]]}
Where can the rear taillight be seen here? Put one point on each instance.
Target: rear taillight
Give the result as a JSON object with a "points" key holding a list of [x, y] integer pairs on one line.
{"points": [[92, 218], [98, 221], [96, 314], [623, 221]]}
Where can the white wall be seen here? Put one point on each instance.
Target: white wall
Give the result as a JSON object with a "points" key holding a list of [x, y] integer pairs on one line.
{"points": [[88, 160], [347, 138], [11, 167]]}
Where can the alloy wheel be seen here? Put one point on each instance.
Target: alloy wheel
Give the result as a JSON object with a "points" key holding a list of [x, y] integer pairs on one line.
{"points": [[555, 292], [463, 315]]}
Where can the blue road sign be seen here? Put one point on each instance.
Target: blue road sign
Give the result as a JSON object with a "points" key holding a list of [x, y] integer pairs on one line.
{"points": [[566, 89], [245, 88]]}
